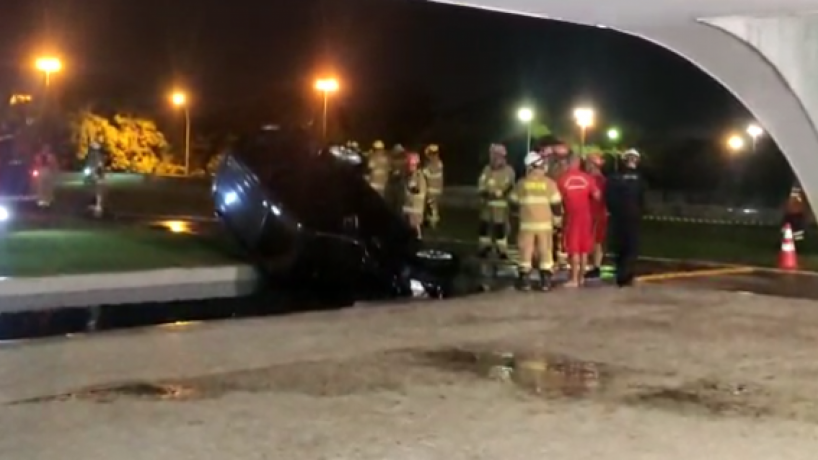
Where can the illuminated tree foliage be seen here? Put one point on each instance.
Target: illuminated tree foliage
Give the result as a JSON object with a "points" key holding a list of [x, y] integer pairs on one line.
{"points": [[132, 144]]}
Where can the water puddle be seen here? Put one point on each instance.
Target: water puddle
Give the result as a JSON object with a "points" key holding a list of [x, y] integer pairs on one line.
{"points": [[705, 397], [144, 391], [541, 374]]}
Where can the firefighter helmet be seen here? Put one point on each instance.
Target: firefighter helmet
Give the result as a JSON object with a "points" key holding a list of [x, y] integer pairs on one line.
{"points": [[378, 145]]}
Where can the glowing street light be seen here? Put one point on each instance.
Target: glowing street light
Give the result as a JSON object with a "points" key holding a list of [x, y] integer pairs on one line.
{"points": [[613, 135], [326, 86], [735, 143], [48, 65], [526, 116], [584, 118], [179, 100], [754, 131]]}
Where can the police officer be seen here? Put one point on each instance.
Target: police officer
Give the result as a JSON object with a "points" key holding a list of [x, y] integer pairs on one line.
{"points": [[395, 182], [539, 201], [414, 203], [625, 199], [46, 171], [378, 168], [495, 184], [433, 170]]}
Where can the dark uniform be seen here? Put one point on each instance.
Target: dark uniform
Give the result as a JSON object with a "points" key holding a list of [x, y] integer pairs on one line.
{"points": [[625, 199]]}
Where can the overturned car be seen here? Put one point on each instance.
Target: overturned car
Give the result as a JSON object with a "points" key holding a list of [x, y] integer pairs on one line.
{"points": [[308, 219]]}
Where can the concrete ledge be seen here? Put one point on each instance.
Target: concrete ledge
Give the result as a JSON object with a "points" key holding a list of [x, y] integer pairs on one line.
{"points": [[151, 286]]}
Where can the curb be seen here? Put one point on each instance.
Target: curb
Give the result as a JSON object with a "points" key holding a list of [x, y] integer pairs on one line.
{"points": [[135, 287]]}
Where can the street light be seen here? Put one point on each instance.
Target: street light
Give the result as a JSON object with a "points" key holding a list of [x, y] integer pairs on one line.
{"points": [[754, 131], [326, 86], [48, 65], [585, 119], [526, 115], [735, 143], [179, 100], [614, 135]]}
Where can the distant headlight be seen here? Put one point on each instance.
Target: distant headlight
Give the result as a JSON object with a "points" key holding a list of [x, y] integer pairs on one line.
{"points": [[4, 214], [87, 171]]}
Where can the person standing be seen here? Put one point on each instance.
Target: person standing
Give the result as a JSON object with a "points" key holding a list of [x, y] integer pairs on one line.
{"points": [[46, 172], [433, 170], [594, 164], [539, 201], [578, 190], [794, 212], [378, 164], [414, 203], [625, 199], [494, 185]]}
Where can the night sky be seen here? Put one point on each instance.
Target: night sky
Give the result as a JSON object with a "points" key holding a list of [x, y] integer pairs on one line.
{"points": [[397, 59]]}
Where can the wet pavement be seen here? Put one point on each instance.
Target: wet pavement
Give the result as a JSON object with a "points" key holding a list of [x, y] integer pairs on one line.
{"points": [[756, 282]]}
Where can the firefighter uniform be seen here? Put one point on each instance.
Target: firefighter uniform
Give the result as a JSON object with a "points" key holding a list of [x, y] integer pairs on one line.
{"points": [[495, 184], [433, 171], [539, 201], [415, 190], [378, 165]]}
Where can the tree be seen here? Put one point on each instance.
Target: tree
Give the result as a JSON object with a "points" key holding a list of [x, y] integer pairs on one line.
{"points": [[133, 144]]}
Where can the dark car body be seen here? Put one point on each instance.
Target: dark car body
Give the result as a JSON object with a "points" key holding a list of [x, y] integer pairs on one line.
{"points": [[307, 216]]}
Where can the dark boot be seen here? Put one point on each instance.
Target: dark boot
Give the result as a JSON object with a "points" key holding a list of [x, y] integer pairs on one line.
{"points": [[545, 280], [484, 253], [524, 281], [593, 273]]}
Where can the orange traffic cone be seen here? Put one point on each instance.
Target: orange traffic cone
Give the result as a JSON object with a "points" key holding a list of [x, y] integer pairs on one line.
{"points": [[787, 259]]}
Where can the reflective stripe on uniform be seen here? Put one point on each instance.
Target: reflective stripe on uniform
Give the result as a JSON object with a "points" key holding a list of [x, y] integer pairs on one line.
{"points": [[434, 191], [536, 226], [534, 199], [498, 204]]}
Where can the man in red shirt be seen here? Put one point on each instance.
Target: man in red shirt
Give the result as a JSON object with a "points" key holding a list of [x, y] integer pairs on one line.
{"points": [[594, 164], [579, 191]]}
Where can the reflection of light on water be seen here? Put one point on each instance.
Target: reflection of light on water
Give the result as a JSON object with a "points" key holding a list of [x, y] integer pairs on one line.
{"points": [[177, 226], [178, 325]]}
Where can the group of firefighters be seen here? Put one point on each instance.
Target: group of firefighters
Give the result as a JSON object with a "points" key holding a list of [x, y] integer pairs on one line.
{"points": [[564, 203], [406, 182]]}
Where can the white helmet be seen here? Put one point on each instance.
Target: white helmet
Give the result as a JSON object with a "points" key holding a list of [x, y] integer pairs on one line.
{"points": [[632, 152], [533, 159]]}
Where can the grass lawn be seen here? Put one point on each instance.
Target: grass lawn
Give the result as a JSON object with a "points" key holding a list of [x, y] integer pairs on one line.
{"points": [[155, 198], [95, 250], [719, 243]]}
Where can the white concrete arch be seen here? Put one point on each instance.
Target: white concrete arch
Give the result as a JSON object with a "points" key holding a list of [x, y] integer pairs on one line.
{"points": [[764, 52]]}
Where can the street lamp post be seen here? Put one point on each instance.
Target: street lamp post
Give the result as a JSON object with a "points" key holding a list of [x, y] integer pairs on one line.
{"points": [[613, 137], [585, 119], [735, 144], [526, 116], [179, 100], [326, 86], [754, 131]]}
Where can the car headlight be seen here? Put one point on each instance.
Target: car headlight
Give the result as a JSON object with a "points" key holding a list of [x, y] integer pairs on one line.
{"points": [[4, 214]]}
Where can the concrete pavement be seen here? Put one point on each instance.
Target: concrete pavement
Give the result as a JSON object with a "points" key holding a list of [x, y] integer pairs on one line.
{"points": [[666, 370]]}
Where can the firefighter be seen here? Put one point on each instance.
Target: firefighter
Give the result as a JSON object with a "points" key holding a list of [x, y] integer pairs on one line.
{"points": [[46, 170], [378, 168], [433, 170], [794, 212], [539, 201], [495, 183], [395, 183], [414, 203], [594, 164], [625, 199]]}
